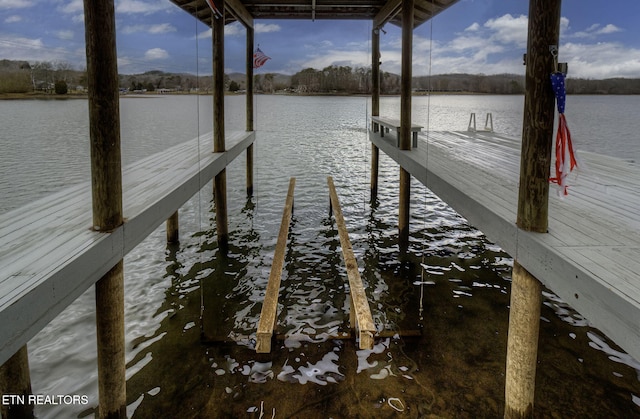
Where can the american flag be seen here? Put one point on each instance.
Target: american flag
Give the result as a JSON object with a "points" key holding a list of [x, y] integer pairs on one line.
{"points": [[214, 9], [259, 58], [566, 159]]}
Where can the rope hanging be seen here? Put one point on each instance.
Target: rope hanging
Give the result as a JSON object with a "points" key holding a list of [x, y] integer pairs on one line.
{"points": [[565, 155]]}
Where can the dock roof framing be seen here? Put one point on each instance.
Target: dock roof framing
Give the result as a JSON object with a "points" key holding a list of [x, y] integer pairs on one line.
{"points": [[380, 11]]}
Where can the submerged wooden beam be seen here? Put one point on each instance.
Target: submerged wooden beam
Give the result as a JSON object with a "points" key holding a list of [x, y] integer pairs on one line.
{"points": [[268, 315], [360, 313]]}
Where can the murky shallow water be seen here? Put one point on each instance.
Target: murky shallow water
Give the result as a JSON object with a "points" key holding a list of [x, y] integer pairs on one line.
{"points": [[442, 305]]}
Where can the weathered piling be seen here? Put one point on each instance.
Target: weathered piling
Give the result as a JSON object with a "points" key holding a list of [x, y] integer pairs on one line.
{"points": [[15, 385], [539, 105], [532, 215], [375, 107], [405, 118], [173, 228], [249, 83], [106, 177], [522, 346], [220, 181]]}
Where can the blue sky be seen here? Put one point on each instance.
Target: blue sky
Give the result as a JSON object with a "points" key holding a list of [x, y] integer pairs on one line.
{"points": [[598, 39]]}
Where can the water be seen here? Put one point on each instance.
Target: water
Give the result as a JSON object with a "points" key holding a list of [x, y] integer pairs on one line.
{"points": [[457, 304]]}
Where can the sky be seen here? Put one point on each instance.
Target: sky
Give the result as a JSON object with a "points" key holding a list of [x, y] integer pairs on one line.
{"points": [[598, 39]]}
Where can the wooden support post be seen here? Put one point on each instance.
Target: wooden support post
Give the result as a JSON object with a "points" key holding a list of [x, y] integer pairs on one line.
{"points": [[111, 348], [249, 78], [220, 181], [539, 107], [405, 119], [106, 177], [404, 208], [405, 78], [173, 229], [375, 107], [15, 384], [537, 137], [375, 164], [359, 311], [268, 314], [249, 84], [522, 345]]}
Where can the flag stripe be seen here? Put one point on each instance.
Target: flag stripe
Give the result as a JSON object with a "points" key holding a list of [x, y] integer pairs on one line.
{"points": [[259, 58]]}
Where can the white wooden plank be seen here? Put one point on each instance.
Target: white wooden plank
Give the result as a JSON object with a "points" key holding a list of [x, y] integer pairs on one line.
{"points": [[49, 254], [590, 256]]}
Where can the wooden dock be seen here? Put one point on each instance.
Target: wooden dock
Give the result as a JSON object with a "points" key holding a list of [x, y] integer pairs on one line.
{"points": [[591, 254], [50, 254]]}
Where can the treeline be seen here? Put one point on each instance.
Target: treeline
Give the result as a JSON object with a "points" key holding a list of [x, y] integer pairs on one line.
{"points": [[344, 79], [60, 77]]}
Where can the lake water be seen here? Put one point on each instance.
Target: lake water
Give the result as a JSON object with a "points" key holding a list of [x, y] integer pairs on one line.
{"points": [[457, 304]]}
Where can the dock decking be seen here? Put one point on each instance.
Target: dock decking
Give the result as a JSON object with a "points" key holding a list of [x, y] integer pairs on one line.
{"points": [[591, 254], [50, 254]]}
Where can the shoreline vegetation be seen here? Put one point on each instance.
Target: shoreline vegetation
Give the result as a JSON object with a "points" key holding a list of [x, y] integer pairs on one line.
{"points": [[45, 80], [151, 95]]}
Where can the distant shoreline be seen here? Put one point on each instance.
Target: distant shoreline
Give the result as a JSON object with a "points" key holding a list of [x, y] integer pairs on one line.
{"points": [[72, 96], [42, 96]]}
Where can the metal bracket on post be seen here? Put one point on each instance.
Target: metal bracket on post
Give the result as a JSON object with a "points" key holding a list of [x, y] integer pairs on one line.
{"points": [[558, 67]]}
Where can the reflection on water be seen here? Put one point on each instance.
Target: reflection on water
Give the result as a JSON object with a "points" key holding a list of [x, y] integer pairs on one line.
{"points": [[441, 306]]}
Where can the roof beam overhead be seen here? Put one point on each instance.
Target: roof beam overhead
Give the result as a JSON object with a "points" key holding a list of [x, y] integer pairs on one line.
{"points": [[240, 12], [388, 12]]}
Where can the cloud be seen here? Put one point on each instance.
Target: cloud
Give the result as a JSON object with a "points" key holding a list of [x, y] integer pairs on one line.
{"points": [[352, 58], [31, 49], [237, 29], [601, 60], [13, 19], [473, 27], [507, 29], [234, 29], [15, 4], [11, 47], [74, 6], [208, 33], [156, 54], [160, 28], [64, 35], [596, 30], [144, 7], [266, 27]]}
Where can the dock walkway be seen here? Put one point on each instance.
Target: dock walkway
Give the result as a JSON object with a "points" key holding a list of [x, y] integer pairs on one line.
{"points": [[50, 254], [591, 254]]}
